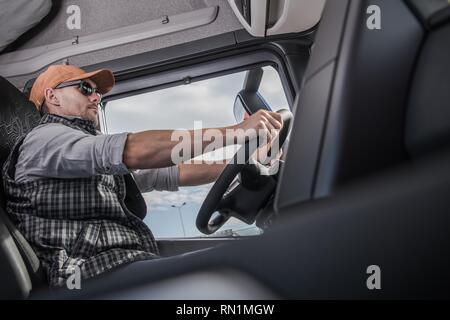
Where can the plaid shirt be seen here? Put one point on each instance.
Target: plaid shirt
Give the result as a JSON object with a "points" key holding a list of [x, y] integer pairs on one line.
{"points": [[76, 222]]}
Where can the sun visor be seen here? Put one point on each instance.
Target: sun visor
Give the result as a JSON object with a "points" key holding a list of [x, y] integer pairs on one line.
{"points": [[19, 16], [271, 17]]}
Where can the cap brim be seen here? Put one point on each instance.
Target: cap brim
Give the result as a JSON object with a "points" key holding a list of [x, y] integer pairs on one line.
{"points": [[104, 79]]}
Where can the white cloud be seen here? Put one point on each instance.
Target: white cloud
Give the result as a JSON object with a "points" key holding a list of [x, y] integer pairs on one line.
{"points": [[191, 195], [157, 208]]}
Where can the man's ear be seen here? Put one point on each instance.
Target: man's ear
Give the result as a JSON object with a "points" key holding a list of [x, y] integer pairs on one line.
{"points": [[51, 96]]}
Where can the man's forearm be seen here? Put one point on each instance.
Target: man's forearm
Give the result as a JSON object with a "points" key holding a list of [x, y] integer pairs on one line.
{"points": [[195, 174], [153, 148]]}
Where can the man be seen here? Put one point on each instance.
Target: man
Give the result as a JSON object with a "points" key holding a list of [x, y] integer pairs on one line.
{"points": [[65, 184]]}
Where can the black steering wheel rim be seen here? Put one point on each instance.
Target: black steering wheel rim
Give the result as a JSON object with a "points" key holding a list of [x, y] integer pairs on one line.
{"points": [[216, 193]]}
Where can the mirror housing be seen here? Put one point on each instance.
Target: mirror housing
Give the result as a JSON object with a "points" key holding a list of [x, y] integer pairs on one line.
{"points": [[248, 99], [249, 102], [239, 109]]}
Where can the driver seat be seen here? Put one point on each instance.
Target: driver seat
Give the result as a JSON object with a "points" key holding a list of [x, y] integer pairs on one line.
{"points": [[20, 269]]}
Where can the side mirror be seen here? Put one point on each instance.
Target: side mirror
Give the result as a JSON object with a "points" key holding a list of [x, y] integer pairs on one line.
{"points": [[239, 109], [248, 99]]}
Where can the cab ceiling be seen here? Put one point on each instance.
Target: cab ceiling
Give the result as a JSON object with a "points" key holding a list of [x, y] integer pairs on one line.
{"points": [[105, 15]]}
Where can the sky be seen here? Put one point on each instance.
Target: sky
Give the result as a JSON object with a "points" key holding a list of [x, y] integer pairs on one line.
{"points": [[210, 101]]}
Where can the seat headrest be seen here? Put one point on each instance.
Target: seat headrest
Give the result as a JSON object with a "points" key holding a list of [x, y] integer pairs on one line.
{"points": [[17, 117], [432, 13], [428, 117]]}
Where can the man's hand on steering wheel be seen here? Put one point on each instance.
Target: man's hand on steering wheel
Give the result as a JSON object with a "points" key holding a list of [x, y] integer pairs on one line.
{"points": [[263, 124]]}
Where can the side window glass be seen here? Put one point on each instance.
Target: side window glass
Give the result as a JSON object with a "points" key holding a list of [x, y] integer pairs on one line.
{"points": [[173, 214], [271, 89]]}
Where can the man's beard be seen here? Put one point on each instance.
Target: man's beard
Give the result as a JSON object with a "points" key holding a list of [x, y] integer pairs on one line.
{"points": [[91, 117]]}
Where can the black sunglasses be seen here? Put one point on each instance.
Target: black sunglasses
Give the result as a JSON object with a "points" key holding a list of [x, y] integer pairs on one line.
{"points": [[84, 87]]}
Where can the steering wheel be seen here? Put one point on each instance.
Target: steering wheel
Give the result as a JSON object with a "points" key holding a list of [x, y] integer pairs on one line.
{"points": [[216, 194]]}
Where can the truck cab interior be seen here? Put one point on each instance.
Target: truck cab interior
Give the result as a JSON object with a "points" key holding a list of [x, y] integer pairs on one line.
{"points": [[364, 177]]}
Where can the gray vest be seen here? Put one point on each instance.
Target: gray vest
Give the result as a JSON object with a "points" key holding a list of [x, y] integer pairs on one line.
{"points": [[79, 222]]}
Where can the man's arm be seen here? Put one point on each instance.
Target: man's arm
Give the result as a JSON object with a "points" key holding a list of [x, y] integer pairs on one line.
{"points": [[55, 150], [182, 175], [161, 179], [153, 148], [198, 172], [195, 174]]}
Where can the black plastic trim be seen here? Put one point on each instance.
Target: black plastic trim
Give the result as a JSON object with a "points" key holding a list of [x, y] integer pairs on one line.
{"points": [[157, 79]]}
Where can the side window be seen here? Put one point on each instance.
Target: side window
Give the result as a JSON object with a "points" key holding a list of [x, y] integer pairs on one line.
{"points": [[272, 90], [173, 214]]}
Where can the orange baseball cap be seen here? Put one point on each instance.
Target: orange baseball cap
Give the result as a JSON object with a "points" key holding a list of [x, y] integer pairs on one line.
{"points": [[57, 74]]}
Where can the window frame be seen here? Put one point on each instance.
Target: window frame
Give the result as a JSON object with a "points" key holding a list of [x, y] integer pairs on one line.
{"points": [[214, 66]]}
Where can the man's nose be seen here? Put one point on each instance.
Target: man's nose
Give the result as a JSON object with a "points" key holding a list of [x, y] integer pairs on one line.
{"points": [[94, 98]]}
